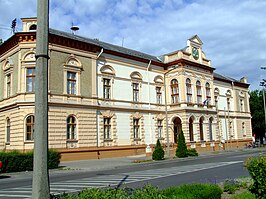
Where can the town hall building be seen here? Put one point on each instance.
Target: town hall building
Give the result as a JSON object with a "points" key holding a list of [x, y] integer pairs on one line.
{"points": [[107, 101]]}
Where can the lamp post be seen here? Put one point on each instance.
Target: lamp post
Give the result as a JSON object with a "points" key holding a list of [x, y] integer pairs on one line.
{"points": [[166, 112], [263, 84]]}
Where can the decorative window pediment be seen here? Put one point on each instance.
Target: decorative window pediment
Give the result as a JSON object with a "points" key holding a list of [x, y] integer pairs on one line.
{"points": [[158, 79], [8, 64], [216, 91], [107, 70], [160, 117], [136, 75], [228, 93], [137, 115], [73, 62], [29, 57], [107, 114]]}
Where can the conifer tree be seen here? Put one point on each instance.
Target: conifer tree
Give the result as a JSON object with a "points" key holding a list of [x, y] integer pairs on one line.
{"points": [[158, 153], [181, 150]]}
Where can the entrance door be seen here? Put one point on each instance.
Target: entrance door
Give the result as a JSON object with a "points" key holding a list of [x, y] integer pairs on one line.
{"points": [[177, 128]]}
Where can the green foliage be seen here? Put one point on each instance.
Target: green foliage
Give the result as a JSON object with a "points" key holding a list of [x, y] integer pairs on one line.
{"points": [[158, 153], [192, 152], [147, 192], [257, 112], [194, 191], [244, 195], [257, 170], [230, 186], [53, 159], [15, 161], [181, 150]]}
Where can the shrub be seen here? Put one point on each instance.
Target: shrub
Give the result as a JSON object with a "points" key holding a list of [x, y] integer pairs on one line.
{"points": [[194, 191], [15, 161], [192, 152], [257, 170], [230, 186], [158, 153], [244, 195], [181, 150], [147, 192]]}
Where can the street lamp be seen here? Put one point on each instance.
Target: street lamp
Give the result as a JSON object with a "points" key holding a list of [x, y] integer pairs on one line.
{"points": [[166, 112], [263, 84]]}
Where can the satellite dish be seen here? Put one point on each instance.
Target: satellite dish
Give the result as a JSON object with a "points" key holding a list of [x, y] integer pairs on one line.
{"points": [[74, 29]]}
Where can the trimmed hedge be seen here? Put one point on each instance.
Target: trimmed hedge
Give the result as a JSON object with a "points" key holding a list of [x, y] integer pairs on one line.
{"points": [[192, 152], [15, 161]]}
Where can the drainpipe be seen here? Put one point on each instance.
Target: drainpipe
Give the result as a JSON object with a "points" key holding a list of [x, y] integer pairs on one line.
{"points": [[98, 103], [149, 94]]}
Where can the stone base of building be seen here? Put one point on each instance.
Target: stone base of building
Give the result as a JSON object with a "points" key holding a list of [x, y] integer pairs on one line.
{"points": [[101, 152], [123, 151]]}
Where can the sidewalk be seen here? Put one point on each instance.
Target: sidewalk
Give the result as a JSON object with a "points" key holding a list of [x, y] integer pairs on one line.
{"points": [[111, 163]]}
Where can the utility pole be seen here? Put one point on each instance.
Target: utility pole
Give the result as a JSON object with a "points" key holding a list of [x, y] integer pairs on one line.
{"points": [[40, 182]]}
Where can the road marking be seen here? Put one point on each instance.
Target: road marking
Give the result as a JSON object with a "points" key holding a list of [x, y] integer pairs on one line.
{"points": [[72, 186]]}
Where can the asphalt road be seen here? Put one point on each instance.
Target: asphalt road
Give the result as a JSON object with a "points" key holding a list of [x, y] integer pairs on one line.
{"points": [[205, 169]]}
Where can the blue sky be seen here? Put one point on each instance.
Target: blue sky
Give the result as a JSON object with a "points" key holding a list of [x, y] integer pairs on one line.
{"points": [[233, 32]]}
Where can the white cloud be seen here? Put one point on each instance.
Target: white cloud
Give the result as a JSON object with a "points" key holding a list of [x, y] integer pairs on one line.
{"points": [[233, 31]]}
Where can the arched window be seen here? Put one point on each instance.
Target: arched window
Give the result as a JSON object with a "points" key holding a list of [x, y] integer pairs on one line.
{"points": [[210, 128], [174, 91], [29, 128], [199, 95], [7, 130], [191, 135], [33, 27], [71, 128], [208, 92], [189, 90], [201, 128]]}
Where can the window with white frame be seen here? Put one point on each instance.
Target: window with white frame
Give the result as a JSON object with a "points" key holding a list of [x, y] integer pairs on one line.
{"points": [[135, 87], [8, 70], [107, 128], [159, 95], [8, 85], [208, 91], [136, 128], [160, 128], [30, 79], [71, 83], [71, 128], [8, 131], [189, 90], [106, 88], [174, 91], [29, 128], [199, 95], [72, 72]]}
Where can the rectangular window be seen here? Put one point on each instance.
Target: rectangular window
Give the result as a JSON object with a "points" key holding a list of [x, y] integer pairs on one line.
{"points": [[107, 128], [135, 92], [106, 89], [175, 93], [160, 128], [158, 95], [8, 85], [71, 83], [71, 128], [136, 128], [8, 131], [241, 105], [30, 79]]}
